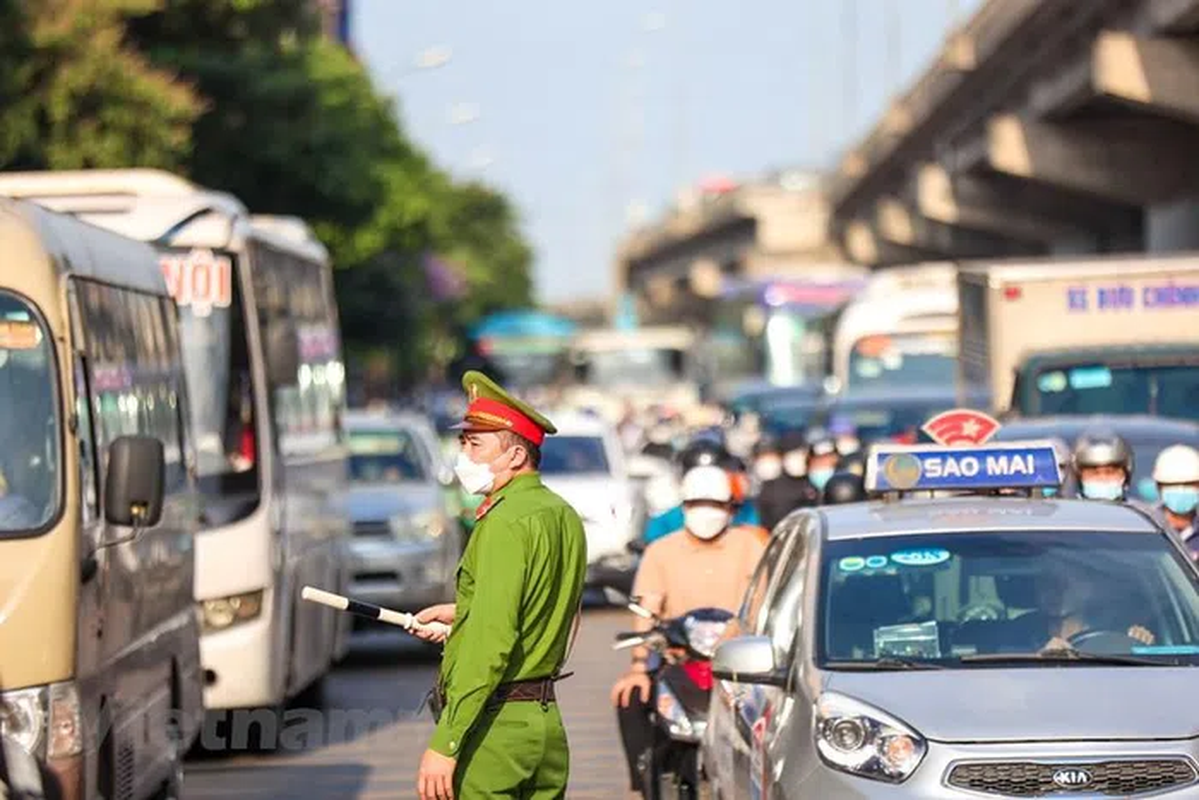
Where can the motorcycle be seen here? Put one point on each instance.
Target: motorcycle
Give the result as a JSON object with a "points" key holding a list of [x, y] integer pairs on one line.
{"points": [[680, 670]]}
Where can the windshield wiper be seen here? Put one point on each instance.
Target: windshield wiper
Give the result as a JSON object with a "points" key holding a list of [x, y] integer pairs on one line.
{"points": [[1063, 655], [887, 663]]}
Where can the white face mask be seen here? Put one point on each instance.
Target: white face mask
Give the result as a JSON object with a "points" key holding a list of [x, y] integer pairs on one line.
{"points": [[796, 464], [706, 522], [475, 478], [768, 468]]}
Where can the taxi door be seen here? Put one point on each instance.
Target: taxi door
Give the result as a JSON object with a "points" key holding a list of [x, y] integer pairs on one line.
{"points": [[751, 702], [769, 713], [722, 737]]}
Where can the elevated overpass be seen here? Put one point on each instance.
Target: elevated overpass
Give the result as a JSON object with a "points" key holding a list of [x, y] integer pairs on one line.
{"points": [[1042, 127]]}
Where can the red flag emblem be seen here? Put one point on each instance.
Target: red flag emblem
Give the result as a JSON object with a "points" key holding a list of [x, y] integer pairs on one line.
{"points": [[961, 426]]}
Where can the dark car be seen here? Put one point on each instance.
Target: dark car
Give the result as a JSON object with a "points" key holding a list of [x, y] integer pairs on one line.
{"points": [[895, 414], [1147, 436]]}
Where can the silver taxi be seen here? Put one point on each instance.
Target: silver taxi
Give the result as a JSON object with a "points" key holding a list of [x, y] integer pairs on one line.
{"points": [[972, 647]]}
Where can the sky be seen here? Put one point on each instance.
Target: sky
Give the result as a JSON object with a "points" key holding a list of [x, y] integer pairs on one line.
{"points": [[581, 110]]}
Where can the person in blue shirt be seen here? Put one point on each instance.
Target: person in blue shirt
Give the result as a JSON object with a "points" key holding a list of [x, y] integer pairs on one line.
{"points": [[703, 452]]}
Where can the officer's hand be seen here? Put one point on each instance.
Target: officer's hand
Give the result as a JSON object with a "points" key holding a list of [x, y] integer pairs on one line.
{"points": [[435, 781], [442, 613], [622, 692], [1141, 634]]}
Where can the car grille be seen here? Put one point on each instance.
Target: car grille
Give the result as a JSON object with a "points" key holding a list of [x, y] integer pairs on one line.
{"points": [[1106, 778], [372, 529]]}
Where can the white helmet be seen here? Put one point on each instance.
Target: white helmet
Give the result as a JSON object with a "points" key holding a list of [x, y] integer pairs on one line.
{"points": [[707, 483], [1178, 463]]}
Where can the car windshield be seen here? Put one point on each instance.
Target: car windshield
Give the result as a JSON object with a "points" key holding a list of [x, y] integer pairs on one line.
{"points": [[787, 415], [1097, 389], [910, 359], [574, 455], [29, 463], [958, 598], [384, 456]]}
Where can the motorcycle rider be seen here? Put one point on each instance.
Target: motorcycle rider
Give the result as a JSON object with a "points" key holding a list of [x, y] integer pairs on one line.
{"points": [[823, 457], [708, 564], [1103, 463], [704, 451], [789, 490], [1176, 473]]}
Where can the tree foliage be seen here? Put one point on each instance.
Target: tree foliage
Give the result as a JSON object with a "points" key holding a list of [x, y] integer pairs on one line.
{"points": [[247, 97]]}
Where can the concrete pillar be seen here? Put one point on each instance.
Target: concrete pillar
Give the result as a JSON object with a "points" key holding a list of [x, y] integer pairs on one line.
{"points": [[1171, 227]]}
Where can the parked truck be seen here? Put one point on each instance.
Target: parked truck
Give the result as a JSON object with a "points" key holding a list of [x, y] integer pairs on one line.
{"points": [[1111, 335]]}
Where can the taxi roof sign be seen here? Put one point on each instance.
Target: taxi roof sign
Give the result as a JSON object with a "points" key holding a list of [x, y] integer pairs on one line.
{"points": [[1010, 465]]}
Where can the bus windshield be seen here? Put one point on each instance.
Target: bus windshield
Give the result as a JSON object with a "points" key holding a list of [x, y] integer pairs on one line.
{"points": [[29, 477], [909, 359], [1167, 391], [216, 359]]}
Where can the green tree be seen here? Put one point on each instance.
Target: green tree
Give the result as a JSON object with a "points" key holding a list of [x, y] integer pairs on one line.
{"points": [[75, 93]]}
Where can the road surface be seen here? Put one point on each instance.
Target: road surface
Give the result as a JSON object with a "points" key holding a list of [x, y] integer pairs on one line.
{"points": [[367, 739]]}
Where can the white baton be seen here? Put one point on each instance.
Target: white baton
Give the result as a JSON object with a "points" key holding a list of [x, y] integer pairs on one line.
{"points": [[371, 611]]}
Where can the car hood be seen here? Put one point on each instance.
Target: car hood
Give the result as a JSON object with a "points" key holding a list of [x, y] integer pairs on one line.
{"points": [[377, 502], [1071, 702]]}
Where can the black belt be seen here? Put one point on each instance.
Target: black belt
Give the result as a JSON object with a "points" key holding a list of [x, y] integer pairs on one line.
{"points": [[533, 690]]}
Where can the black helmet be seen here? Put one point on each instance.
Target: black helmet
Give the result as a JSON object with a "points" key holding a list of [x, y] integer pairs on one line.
{"points": [[703, 452], [793, 440], [854, 463], [844, 487], [766, 444]]}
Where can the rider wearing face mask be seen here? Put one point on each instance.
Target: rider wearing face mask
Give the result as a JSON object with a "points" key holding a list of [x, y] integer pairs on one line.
{"points": [[1176, 473], [787, 489], [708, 564], [703, 452], [823, 458], [1103, 464]]}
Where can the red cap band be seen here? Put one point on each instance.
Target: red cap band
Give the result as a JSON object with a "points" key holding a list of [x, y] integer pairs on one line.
{"points": [[498, 416]]}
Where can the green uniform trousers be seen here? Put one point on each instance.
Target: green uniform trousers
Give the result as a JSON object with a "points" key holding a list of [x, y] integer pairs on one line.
{"points": [[517, 750]]}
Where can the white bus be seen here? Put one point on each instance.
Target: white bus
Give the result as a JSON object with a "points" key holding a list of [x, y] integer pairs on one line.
{"points": [[262, 355], [901, 332]]}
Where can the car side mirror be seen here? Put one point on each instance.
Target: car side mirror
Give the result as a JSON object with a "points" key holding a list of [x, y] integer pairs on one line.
{"points": [[748, 659], [133, 484], [282, 352]]}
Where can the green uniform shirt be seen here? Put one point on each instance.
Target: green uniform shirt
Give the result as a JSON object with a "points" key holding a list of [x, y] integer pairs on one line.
{"points": [[519, 586]]}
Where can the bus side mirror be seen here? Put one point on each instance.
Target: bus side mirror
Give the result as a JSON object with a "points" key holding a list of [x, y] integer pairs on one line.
{"points": [[133, 485], [282, 353]]}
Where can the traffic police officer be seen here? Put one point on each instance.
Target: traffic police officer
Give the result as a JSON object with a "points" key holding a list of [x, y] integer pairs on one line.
{"points": [[520, 583]]}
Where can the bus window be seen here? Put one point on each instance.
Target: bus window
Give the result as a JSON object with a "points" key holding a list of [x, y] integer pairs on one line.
{"points": [[135, 386], [29, 479], [285, 285]]}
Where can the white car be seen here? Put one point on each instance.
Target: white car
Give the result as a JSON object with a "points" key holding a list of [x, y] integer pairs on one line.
{"points": [[584, 463]]}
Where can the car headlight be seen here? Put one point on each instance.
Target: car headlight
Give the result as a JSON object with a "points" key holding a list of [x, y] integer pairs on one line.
{"points": [[23, 718], [862, 740], [225, 612]]}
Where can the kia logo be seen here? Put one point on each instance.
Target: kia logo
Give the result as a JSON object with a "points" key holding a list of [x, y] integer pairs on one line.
{"points": [[1071, 778]]}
